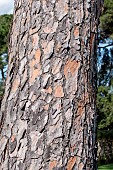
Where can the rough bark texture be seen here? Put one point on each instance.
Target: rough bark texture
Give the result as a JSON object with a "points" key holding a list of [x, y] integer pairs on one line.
{"points": [[48, 111]]}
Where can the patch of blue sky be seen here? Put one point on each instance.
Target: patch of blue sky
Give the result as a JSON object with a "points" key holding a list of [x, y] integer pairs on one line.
{"points": [[6, 6]]}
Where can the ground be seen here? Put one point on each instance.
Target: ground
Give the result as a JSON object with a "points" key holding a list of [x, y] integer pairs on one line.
{"points": [[106, 167]]}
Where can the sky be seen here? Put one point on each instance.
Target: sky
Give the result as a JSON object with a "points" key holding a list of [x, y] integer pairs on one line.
{"points": [[6, 6]]}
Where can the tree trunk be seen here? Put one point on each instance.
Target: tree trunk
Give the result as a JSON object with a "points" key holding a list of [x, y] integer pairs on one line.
{"points": [[48, 111]]}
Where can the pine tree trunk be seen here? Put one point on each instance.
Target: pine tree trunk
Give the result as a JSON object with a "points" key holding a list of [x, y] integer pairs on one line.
{"points": [[48, 111]]}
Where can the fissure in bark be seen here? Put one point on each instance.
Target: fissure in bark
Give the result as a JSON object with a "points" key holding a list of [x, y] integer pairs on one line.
{"points": [[48, 110]]}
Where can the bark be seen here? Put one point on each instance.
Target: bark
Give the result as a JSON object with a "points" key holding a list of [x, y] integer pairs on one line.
{"points": [[48, 111]]}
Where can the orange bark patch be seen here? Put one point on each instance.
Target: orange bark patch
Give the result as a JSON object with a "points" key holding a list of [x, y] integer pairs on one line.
{"points": [[34, 41], [91, 40], [76, 32], [47, 29], [71, 67], [71, 163], [49, 90], [59, 91], [80, 107], [35, 38], [58, 47], [52, 165], [81, 166], [33, 98], [38, 55], [86, 97], [46, 107], [80, 110], [30, 1], [12, 138], [66, 8], [34, 72], [15, 85]]}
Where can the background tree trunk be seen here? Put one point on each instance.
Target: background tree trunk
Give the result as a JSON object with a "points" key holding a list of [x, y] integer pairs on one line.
{"points": [[48, 111]]}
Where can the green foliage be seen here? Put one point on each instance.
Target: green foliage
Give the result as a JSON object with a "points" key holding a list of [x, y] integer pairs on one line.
{"points": [[107, 19], [106, 167], [105, 95], [105, 111], [105, 75], [1, 88], [5, 22], [105, 72]]}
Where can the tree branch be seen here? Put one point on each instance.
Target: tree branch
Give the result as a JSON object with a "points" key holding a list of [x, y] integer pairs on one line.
{"points": [[106, 45]]}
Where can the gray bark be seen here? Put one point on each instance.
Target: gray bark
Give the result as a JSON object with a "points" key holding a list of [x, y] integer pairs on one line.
{"points": [[48, 111]]}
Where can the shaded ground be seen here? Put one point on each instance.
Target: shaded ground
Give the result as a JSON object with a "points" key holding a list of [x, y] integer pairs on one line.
{"points": [[106, 167]]}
